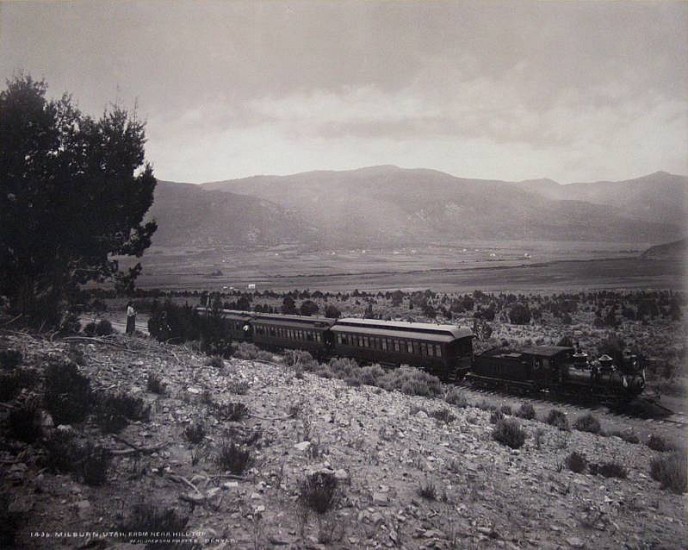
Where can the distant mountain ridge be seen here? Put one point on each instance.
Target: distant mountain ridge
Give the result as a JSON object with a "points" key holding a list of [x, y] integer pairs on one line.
{"points": [[388, 205]]}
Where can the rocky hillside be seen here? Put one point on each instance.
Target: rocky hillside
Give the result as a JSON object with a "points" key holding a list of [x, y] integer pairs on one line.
{"points": [[386, 205], [317, 463]]}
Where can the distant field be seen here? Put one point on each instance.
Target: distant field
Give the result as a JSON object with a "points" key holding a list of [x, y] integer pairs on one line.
{"points": [[485, 266]]}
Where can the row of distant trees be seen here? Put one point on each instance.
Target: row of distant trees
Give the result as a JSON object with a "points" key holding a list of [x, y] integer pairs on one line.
{"points": [[74, 191]]}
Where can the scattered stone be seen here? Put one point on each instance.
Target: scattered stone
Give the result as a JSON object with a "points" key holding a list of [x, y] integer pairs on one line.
{"points": [[575, 542], [303, 446], [380, 499]]}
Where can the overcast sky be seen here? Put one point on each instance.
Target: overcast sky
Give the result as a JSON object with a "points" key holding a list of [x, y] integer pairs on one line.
{"points": [[574, 91]]}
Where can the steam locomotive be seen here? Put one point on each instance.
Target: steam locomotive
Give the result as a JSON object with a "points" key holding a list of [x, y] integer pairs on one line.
{"points": [[443, 350]]}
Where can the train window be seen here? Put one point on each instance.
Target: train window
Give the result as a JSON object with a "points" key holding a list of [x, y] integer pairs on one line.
{"points": [[409, 347], [438, 350], [396, 345], [317, 337], [366, 342]]}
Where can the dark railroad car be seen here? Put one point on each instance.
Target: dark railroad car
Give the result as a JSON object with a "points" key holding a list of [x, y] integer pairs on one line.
{"points": [[442, 349], [292, 331], [534, 368]]}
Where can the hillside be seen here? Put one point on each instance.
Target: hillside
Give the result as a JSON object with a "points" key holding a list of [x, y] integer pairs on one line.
{"points": [[410, 472], [672, 250], [386, 205], [658, 196], [190, 216]]}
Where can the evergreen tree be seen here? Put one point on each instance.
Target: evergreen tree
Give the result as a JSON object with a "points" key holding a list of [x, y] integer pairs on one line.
{"points": [[73, 195]]}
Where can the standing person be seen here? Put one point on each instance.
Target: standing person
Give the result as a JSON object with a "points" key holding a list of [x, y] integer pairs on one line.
{"points": [[131, 318]]}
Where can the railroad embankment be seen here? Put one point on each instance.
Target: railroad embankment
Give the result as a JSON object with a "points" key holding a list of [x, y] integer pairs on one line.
{"points": [[111, 436]]}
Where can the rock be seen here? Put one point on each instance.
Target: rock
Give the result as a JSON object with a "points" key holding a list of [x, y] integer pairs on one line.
{"points": [[230, 485], [380, 499], [341, 475], [84, 508], [575, 542], [303, 446]]}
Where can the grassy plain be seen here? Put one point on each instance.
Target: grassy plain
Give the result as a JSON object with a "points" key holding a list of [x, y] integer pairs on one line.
{"points": [[513, 266]]}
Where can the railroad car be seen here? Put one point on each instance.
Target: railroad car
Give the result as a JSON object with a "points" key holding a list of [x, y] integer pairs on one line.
{"points": [[444, 350]]}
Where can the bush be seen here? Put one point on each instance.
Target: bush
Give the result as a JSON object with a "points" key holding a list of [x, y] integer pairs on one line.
{"points": [[216, 361], [233, 458], [526, 411], [231, 412], [508, 432], [670, 471], [68, 395], [61, 451], [319, 492], [557, 419], [146, 518], [10, 359], [239, 387], [576, 462], [195, 432], [411, 381], [9, 523], [443, 415], [587, 423], [297, 358], [427, 490], [93, 467], [658, 443], [506, 410], [609, 469], [25, 423], [244, 350], [496, 416], [627, 436], [113, 412], [154, 384], [12, 383], [456, 397], [371, 375], [104, 328]]}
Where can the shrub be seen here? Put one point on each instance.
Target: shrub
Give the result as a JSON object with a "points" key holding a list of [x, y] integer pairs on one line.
{"points": [[526, 411], [508, 432], [12, 383], [557, 419], [371, 375], [627, 436], [146, 518], [456, 397], [113, 412], [244, 350], [10, 359], [443, 415], [104, 328], [239, 387], [25, 423], [195, 432], [68, 395], [232, 411], [411, 381], [233, 458], [506, 410], [496, 416], [427, 490], [9, 523], [670, 471], [609, 469], [319, 492], [485, 405], [658, 443], [216, 362], [576, 462], [61, 451], [154, 384], [93, 466], [587, 423]]}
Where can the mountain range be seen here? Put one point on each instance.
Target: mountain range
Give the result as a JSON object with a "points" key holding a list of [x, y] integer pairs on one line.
{"points": [[387, 205]]}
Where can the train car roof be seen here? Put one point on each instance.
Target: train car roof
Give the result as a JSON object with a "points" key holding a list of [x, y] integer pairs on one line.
{"points": [[228, 313], [546, 351], [397, 327], [292, 320], [382, 333]]}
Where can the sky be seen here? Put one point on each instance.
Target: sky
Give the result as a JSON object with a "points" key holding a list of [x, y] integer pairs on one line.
{"points": [[576, 90]]}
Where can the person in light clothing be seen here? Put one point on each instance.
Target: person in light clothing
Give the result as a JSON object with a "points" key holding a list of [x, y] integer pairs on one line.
{"points": [[131, 318]]}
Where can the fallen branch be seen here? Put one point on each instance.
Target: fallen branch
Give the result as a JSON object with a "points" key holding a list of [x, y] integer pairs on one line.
{"points": [[135, 450], [175, 477]]}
